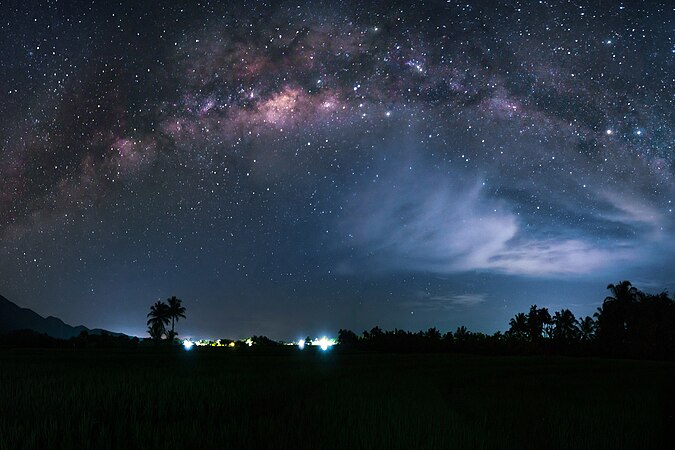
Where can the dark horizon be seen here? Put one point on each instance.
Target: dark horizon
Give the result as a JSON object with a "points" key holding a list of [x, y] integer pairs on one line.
{"points": [[296, 169], [52, 326]]}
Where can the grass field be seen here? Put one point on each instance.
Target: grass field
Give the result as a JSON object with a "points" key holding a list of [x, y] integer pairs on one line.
{"points": [[222, 398]]}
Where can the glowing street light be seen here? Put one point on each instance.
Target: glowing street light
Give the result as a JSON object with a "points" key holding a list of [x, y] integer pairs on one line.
{"points": [[301, 344], [188, 344]]}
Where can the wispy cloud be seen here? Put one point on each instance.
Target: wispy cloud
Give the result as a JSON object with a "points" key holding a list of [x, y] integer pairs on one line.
{"points": [[629, 210], [556, 256], [429, 302], [430, 224]]}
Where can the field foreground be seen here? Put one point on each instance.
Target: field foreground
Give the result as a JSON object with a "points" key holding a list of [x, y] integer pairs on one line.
{"points": [[286, 398]]}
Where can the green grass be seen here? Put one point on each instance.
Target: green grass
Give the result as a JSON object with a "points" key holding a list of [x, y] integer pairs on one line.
{"points": [[221, 398]]}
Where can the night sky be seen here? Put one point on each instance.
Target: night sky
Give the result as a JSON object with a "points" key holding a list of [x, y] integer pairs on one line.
{"points": [[293, 168]]}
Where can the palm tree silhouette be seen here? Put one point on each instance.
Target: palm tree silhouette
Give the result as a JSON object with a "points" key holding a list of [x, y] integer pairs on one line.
{"points": [[566, 326], [176, 311], [538, 320], [159, 319], [518, 327], [623, 292], [614, 315], [587, 328], [156, 330]]}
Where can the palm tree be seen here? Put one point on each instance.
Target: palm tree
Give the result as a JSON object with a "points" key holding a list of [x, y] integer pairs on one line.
{"points": [[623, 292], [518, 327], [566, 328], [156, 330], [587, 328], [176, 311], [159, 319], [538, 319], [615, 313]]}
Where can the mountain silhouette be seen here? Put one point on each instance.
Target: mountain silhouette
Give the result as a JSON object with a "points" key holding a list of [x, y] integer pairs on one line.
{"points": [[14, 318]]}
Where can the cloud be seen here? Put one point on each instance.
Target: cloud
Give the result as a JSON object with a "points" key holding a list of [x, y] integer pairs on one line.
{"points": [[629, 210], [461, 299], [557, 256], [429, 302], [422, 222]]}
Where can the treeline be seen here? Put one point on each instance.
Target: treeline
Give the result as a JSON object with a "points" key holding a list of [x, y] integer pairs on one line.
{"points": [[630, 323]]}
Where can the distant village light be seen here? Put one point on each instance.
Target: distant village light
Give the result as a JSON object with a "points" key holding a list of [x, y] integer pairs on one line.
{"points": [[324, 343], [188, 344]]}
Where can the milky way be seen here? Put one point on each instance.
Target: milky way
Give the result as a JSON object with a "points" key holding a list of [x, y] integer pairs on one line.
{"points": [[295, 168]]}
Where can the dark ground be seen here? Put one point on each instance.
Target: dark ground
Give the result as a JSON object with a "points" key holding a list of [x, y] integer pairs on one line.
{"points": [[285, 398]]}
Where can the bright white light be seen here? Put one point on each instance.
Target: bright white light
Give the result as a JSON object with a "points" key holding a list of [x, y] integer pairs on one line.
{"points": [[609, 132], [301, 344], [188, 344], [324, 343]]}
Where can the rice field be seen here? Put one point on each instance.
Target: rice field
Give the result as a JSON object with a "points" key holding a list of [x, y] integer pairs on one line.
{"points": [[291, 399]]}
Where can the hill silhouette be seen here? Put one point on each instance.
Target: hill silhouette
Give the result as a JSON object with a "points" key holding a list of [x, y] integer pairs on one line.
{"points": [[15, 318]]}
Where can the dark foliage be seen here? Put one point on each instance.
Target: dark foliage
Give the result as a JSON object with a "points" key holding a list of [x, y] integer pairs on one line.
{"points": [[264, 341], [176, 311], [630, 323], [30, 338], [160, 315], [103, 340], [633, 323], [159, 318]]}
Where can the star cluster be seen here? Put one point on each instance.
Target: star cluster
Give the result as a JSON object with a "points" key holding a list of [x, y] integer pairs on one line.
{"points": [[297, 167]]}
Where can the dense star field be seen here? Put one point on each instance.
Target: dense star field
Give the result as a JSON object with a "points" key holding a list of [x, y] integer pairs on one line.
{"points": [[294, 168]]}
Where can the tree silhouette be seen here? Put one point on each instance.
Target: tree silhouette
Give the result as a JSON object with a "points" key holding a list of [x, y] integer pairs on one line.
{"points": [[587, 329], [614, 315], [156, 330], [622, 292], [432, 334], [175, 312], [158, 320], [462, 335], [652, 325], [264, 341], [537, 319], [518, 327], [376, 332], [630, 323], [566, 327], [347, 338]]}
